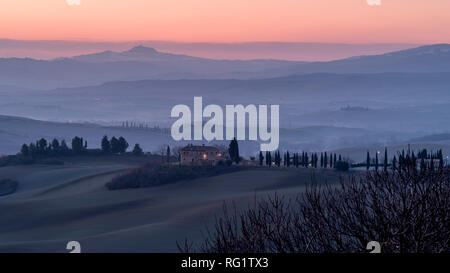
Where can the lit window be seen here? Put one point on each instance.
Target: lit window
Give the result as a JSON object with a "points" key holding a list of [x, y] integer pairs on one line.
{"points": [[204, 156]]}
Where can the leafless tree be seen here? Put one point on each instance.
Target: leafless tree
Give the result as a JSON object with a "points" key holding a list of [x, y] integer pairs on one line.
{"points": [[407, 211], [162, 151]]}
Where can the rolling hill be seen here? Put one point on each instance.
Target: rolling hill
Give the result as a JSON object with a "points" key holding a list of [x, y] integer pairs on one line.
{"points": [[57, 205], [15, 131]]}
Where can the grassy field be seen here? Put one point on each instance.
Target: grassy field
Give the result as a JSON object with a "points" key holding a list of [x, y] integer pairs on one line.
{"points": [[57, 204], [39, 177]]}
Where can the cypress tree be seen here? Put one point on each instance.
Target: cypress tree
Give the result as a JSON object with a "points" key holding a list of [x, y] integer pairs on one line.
{"points": [[368, 161], [238, 157], [408, 162], [168, 154], [233, 151], [376, 161], [441, 161], [385, 159]]}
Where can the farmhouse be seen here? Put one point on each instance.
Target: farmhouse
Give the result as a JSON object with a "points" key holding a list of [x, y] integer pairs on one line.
{"points": [[200, 155]]}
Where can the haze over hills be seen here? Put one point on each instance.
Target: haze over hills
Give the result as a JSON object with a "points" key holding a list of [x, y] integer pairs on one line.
{"points": [[146, 63], [135, 64], [393, 98], [402, 102], [15, 131], [293, 51]]}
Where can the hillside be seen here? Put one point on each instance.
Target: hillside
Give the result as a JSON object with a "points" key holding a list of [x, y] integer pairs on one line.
{"points": [[15, 131], [77, 206], [437, 138]]}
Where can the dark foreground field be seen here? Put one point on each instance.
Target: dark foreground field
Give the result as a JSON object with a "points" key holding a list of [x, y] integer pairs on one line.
{"points": [[57, 204]]}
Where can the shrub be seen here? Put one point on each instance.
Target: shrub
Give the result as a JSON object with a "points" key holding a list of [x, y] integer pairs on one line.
{"points": [[342, 166], [407, 211], [7, 186], [15, 160], [156, 175]]}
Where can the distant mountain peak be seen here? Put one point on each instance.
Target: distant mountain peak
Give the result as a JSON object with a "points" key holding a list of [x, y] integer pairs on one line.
{"points": [[140, 49], [137, 53]]}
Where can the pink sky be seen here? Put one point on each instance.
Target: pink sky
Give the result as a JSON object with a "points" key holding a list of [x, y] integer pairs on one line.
{"points": [[329, 21]]}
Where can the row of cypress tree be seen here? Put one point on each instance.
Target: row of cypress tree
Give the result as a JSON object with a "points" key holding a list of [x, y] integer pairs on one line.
{"points": [[303, 159]]}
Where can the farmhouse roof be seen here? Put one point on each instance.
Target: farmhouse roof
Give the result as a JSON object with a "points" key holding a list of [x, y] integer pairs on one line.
{"points": [[203, 148]]}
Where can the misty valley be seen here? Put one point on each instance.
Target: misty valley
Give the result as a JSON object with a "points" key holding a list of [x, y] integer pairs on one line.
{"points": [[139, 150]]}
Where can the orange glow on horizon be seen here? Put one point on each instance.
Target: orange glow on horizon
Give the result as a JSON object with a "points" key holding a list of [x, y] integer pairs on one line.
{"points": [[345, 21]]}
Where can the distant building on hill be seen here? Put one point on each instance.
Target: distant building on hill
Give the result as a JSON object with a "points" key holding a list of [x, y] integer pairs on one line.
{"points": [[354, 108], [200, 155]]}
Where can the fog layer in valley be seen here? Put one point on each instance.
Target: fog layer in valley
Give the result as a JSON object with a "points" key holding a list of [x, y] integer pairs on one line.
{"points": [[379, 100]]}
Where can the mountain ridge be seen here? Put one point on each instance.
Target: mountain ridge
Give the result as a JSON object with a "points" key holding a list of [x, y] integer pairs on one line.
{"points": [[141, 63]]}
